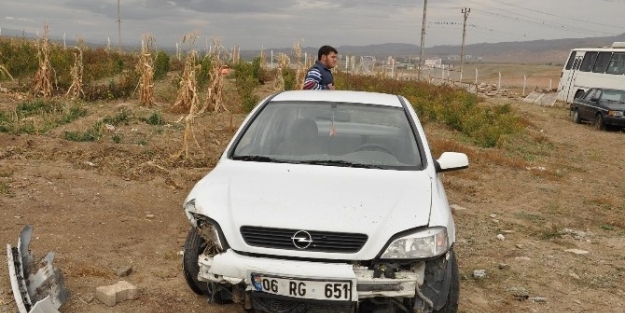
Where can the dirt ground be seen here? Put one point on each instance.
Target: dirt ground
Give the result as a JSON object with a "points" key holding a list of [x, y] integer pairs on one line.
{"points": [[118, 202]]}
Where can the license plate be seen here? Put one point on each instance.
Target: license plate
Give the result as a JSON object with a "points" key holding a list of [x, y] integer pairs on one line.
{"points": [[304, 288]]}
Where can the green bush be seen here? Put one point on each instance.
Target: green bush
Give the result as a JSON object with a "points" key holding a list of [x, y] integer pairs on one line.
{"points": [[161, 65], [154, 119], [246, 83], [92, 134], [39, 116], [288, 74], [203, 75]]}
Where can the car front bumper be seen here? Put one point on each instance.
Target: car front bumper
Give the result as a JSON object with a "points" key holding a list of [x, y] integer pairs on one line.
{"points": [[616, 121], [234, 268]]}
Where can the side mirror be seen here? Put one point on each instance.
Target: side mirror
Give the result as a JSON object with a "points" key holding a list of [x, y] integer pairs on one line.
{"points": [[451, 161], [594, 99]]}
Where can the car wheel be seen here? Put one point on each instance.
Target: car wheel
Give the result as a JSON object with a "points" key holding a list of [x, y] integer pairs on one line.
{"points": [[454, 289], [599, 122], [193, 247], [576, 118]]}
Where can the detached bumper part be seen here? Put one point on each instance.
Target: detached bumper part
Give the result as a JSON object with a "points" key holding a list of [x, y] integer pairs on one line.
{"points": [[37, 286]]}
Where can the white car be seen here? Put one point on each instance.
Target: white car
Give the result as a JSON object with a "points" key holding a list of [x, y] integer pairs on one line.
{"points": [[326, 201]]}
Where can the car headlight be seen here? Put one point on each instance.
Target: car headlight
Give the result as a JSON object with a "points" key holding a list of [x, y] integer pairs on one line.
{"points": [[615, 113], [424, 244], [208, 228]]}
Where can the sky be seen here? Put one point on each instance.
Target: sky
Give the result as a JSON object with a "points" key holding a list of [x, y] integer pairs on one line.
{"points": [[256, 24]]}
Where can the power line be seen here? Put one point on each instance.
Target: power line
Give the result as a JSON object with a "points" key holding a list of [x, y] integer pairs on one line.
{"points": [[546, 24], [564, 17]]}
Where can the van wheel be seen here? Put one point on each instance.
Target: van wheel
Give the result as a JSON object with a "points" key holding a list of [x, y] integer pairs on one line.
{"points": [[576, 118], [599, 122]]}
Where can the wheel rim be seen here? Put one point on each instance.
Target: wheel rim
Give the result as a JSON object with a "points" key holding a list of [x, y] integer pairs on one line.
{"points": [[599, 122]]}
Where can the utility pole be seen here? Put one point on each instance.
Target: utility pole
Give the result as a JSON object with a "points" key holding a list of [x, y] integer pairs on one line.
{"points": [[425, 5], [464, 11], [119, 26]]}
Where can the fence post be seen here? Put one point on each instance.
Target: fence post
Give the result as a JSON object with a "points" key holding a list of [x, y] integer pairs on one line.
{"points": [[524, 83], [499, 83], [476, 76], [550, 88]]}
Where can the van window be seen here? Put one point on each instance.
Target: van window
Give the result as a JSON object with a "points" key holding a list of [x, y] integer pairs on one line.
{"points": [[617, 64], [569, 63], [589, 61], [602, 62]]}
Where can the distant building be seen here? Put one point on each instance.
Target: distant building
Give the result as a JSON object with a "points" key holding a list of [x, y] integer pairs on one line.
{"points": [[433, 63]]}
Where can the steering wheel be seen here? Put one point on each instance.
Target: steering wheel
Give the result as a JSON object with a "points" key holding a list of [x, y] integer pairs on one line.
{"points": [[373, 147]]}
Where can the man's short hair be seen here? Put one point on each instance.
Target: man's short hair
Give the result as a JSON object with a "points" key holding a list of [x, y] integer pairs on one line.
{"points": [[325, 50]]}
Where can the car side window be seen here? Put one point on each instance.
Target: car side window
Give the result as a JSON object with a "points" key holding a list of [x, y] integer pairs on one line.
{"points": [[590, 94]]}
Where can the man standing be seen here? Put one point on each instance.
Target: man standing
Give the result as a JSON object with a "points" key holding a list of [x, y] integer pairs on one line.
{"points": [[319, 76]]}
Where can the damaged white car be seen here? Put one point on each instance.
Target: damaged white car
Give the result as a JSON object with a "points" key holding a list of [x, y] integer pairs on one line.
{"points": [[326, 201]]}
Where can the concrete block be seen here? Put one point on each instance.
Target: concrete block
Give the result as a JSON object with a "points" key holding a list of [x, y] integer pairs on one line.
{"points": [[113, 294]]}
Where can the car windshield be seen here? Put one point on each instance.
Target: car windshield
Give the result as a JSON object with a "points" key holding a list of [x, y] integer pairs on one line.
{"points": [[333, 134], [614, 95]]}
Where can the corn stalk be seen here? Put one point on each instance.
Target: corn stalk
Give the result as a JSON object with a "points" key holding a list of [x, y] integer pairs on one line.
{"points": [[75, 90], [283, 63], [214, 92], [300, 73], [43, 77], [145, 66]]}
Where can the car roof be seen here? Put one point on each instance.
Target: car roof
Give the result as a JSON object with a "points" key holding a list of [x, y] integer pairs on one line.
{"points": [[342, 96]]}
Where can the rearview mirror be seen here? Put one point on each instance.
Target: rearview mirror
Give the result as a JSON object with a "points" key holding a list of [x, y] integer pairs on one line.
{"points": [[451, 161]]}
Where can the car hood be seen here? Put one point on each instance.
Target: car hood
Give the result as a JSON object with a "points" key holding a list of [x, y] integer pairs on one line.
{"points": [[611, 105], [378, 203]]}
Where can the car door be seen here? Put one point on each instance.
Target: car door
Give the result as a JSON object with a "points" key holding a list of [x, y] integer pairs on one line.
{"points": [[584, 104]]}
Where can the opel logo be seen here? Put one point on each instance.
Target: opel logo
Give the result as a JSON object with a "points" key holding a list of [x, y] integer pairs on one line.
{"points": [[302, 239]]}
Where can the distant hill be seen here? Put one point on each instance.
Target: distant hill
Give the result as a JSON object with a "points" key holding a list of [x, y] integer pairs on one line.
{"points": [[537, 51]]}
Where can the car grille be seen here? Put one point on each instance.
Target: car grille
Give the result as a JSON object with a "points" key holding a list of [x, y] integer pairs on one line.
{"points": [[266, 303], [277, 238]]}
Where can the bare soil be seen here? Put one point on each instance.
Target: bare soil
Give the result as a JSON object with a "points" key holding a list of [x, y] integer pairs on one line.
{"points": [[105, 205]]}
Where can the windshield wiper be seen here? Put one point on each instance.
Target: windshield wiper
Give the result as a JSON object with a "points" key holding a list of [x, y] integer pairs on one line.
{"points": [[255, 158], [338, 163]]}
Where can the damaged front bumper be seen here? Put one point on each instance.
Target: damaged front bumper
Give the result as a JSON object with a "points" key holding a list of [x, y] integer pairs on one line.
{"points": [[302, 279], [37, 286]]}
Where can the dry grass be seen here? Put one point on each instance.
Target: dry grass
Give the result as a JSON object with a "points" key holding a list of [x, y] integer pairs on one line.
{"points": [[89, 271], [43, 77], [145, 67], [75, 90], [5, 72]]}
